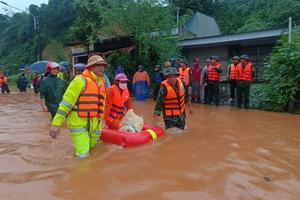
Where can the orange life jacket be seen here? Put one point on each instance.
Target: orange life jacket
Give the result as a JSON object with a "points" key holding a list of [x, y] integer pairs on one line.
{"points": [[174, 103], [119, 102], [232, 71], [91, 101], [184, 75], [245, 73], [212, 74]]}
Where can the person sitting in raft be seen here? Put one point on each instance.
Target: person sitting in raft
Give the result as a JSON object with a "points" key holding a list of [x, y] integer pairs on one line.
{"points": [[117, 102], [172, 100]]}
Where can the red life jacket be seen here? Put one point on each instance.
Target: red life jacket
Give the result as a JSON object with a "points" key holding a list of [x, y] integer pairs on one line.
{"points": [[213, 74], [184, 75], [244, 74], [119, 102], [232, 71], [174, 103], [91, 101]]}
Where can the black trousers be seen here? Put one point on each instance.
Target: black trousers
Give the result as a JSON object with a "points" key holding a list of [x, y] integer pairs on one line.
{"points": [[5, 88], [243, 90], [232, 84], [205, 94], [36, 89], [213, 91], [175, 123], [155, 92]]}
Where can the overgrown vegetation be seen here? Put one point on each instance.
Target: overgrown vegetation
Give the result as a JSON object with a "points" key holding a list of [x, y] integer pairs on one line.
{"points": [[282, 74], [235, 16], [150, 24], [147, 22], [20, 44]]}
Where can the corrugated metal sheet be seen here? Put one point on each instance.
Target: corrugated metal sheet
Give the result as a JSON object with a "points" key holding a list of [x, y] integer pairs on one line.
{"points": [[223, 39]]}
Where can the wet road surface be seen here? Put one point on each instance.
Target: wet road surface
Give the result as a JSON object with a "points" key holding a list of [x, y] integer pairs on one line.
{"points": [[225, 153]]}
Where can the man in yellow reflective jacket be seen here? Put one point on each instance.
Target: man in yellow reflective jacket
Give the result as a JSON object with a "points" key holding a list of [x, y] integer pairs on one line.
{"points": [[83, 104]]}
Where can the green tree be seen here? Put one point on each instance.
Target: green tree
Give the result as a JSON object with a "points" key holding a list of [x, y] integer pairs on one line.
{"points": [[248, 15], [19, 42], [149, 24]]}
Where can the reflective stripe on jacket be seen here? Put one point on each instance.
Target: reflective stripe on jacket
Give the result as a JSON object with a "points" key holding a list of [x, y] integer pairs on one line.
{"points": [[174, 103], [244, 73]]}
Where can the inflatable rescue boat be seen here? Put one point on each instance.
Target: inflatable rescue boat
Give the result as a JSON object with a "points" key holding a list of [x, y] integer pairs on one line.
{"points": [[126, 139]]}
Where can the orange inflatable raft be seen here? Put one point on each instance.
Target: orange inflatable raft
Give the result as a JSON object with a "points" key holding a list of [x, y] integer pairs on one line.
{"points": [[126, 139]]}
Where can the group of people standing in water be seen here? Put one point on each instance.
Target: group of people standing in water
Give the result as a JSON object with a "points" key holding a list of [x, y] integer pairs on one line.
{"points": [[88, 101]]}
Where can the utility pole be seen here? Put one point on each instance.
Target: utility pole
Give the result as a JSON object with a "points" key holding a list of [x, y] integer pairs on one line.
{"points": [[290, 30], [35, 22], [177, 18]]}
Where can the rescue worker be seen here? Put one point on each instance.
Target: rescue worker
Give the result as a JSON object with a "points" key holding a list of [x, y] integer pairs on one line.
{"points": [[117, 102], [244, 77], [51, 90], [173, 63], [159, 77], [196, 78], [4, 84], [231, 75], [172, 100], [83, 103], [185, 73], [213, 79]]}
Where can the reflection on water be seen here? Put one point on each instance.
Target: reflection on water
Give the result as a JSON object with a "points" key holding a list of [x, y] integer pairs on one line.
{"points": [[224, 153]]}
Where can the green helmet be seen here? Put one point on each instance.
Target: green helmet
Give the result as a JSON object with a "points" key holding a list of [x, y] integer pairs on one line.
{"points": [[235, 58], [246, 57], [171, 71], [215, 57]]}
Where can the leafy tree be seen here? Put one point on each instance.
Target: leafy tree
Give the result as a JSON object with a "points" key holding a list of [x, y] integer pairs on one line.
{"points": [[19, 42], [88, 22], [248, 15], [149, 24]]}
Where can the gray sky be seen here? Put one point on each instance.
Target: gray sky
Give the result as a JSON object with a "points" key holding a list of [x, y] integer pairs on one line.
{"points": [[21, 4]]}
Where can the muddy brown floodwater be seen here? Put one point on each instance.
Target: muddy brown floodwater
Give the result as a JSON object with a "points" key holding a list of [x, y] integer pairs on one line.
{"points": [[225, 153]]}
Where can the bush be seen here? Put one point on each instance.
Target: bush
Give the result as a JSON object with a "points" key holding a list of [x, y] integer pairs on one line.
{"points": [[282, 75]]}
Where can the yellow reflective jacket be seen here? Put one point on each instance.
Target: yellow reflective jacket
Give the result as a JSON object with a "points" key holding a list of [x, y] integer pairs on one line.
{"points": [[68, 102]]}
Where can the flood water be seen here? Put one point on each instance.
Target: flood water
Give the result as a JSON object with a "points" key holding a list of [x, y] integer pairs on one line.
{"points": [[225, 153]]}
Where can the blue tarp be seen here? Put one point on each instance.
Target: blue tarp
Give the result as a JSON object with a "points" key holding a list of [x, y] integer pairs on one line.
{"points": [[140, 90]]}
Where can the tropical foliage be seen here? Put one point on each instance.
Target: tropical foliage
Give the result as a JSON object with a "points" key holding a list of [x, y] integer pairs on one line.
{"points": [[282, 74], [150, 24]]}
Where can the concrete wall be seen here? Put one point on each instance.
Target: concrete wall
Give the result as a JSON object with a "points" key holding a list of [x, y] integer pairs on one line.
{"points": [[205, 52]]}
